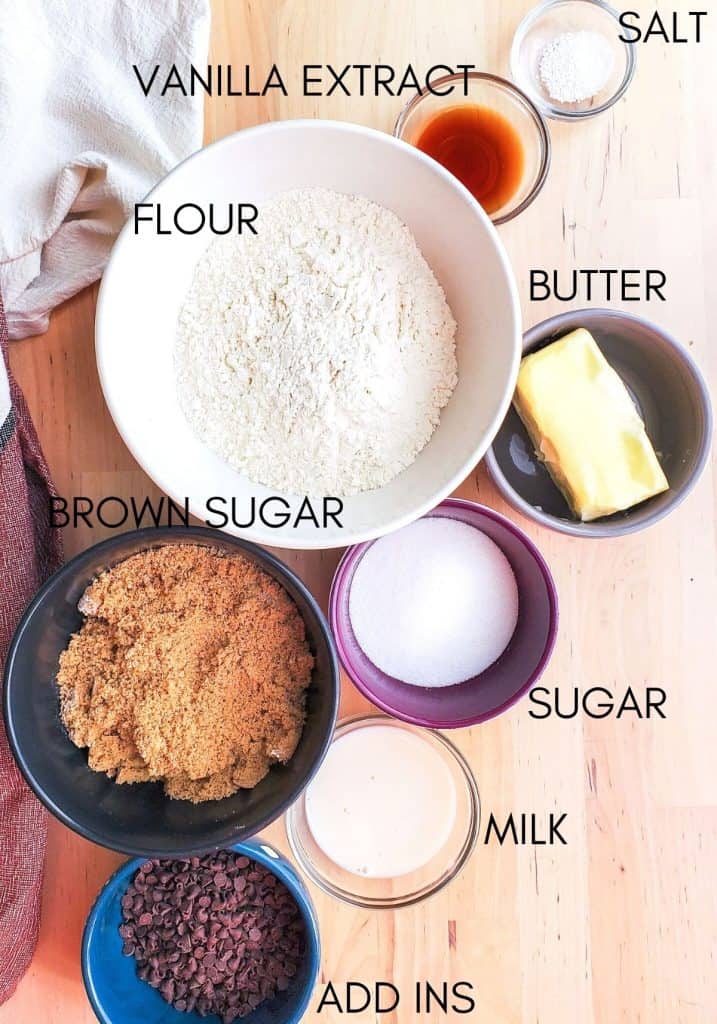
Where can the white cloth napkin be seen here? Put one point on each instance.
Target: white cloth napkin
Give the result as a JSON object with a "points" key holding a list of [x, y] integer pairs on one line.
{"points": [[79, 141]]}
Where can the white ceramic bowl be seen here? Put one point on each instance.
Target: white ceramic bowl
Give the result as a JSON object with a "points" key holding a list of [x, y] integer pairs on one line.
{"points": [[148, 276]]}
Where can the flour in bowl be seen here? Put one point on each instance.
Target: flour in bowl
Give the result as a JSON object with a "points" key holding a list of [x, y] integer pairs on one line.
{"points": [[316, 356]]}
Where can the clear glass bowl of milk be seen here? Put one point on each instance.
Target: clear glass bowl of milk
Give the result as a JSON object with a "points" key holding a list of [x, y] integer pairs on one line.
{"points": [[390, 818]]}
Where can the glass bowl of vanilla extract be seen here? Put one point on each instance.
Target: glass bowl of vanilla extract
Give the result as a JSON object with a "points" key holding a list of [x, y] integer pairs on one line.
{"points": [[487, 133]]}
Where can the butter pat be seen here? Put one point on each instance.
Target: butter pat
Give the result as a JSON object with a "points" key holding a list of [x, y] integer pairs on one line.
{"points": [[585, 428]]}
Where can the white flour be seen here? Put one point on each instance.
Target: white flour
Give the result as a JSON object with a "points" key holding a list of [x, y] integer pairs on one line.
{"points": [[316, 356]]}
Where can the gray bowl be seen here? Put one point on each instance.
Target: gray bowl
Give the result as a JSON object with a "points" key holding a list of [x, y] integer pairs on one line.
{"points": [[671, 396]]}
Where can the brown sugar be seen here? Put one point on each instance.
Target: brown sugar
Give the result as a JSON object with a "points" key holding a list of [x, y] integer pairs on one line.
{"points": [[191, 668]]}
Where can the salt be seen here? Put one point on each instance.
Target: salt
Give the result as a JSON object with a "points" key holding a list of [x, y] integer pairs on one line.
{"points": [[575, 66], [434, 604]]}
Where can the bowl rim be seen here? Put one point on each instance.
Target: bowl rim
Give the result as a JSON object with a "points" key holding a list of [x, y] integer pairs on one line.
{"points": [[258, 850], [605, 529], [469, 843], [561, 113], [282, 540], [518, 94], [162, 534], [352, 556]]}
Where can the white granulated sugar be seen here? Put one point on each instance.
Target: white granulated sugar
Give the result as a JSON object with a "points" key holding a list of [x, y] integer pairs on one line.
{"points": [[433, 604], [575, 66], [316, 356]]}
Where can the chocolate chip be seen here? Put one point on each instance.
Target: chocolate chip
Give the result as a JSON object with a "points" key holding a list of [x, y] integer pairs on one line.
{"points": [[219, 934], [167, 990]]}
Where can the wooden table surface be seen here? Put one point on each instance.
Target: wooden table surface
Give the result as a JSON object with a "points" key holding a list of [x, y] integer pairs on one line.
{"points": [[621, 923]]}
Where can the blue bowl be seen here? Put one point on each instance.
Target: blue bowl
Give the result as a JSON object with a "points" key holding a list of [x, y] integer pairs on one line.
{"points": [[119, 996]]}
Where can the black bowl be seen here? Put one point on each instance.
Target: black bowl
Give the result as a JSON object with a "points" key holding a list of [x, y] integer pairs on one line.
{"points": [[140, 819]]}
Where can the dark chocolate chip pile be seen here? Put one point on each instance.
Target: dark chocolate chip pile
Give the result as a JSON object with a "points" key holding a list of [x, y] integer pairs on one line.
{"points": [[216, 934]]}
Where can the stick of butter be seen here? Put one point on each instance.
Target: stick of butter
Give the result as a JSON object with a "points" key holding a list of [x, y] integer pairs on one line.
{"points": [[586, 429]]}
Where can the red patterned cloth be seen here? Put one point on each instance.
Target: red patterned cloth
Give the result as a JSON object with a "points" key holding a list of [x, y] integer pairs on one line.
{"points": [[29, 551]]}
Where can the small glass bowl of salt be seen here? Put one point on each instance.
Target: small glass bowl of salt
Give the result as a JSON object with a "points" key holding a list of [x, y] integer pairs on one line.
{"points": [[568, 56]]}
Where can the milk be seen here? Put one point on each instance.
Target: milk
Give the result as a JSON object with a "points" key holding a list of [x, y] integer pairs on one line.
{"points": [[383, 803]]}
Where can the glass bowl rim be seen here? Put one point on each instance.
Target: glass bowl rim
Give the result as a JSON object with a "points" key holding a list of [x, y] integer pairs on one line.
{"points": [[428, 890], [522, 99], [561, 113]]}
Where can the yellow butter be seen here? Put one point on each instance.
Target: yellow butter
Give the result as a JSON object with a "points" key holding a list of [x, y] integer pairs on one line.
{"points": [[586, 429]]}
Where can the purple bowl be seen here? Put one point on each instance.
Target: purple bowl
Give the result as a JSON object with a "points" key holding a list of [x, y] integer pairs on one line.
{"points": [[506, 680]]}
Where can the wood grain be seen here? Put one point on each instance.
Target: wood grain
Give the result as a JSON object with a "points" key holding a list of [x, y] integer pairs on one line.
{"points": [[620, 925]]}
